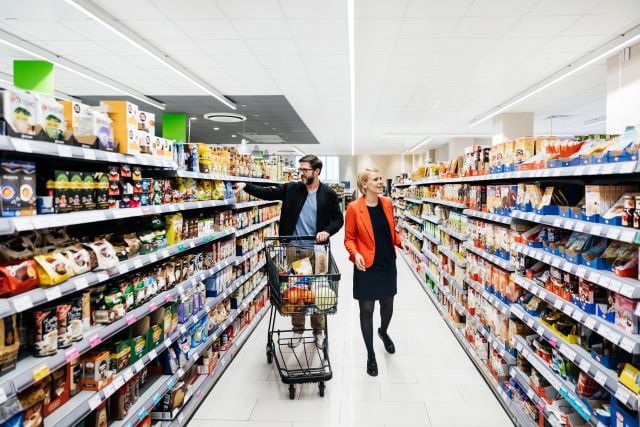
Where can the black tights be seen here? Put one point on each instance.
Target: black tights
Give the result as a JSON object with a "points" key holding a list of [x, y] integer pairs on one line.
{"points": [[366, 320]]}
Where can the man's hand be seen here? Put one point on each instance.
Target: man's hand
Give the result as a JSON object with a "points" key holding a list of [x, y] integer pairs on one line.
{"points": [[322, 237], [359, 261], [239, 186], [405, 246]]}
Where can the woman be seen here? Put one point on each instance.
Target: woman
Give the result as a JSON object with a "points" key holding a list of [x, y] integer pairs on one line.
{"points": [[370, 237]]}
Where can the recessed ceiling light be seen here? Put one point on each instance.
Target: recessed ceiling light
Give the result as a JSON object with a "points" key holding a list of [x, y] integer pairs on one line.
{"points": [[233, 135], [242, 105], [273, 128], [266, 123], [193, 118], [256, 115], [225, 117], [216, 128]]}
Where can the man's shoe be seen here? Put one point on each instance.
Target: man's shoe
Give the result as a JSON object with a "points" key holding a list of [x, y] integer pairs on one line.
{"points": [[295, 340], [372, 366], [388, 344]]}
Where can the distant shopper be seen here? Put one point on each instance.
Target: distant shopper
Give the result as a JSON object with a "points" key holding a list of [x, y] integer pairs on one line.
{"points": [[309, 208], [370, 237]]}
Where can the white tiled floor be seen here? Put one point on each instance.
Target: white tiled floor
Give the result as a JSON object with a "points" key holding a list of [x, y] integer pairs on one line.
{"points": [[429, 381]]}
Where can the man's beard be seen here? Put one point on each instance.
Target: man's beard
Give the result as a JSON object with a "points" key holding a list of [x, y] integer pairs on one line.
{"points": [[308, 180]]}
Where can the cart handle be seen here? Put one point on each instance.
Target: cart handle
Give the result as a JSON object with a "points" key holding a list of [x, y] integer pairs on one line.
{"points": [[289, 238]]}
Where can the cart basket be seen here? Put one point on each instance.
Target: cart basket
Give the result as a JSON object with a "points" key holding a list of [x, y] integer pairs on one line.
{"points": [[293, 292]]}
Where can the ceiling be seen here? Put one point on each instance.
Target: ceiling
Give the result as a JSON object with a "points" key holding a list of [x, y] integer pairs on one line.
{"points": [[421, 66]]}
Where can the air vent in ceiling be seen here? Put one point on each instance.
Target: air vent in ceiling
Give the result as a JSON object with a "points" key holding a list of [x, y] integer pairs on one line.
{"points": [[265, 139]]}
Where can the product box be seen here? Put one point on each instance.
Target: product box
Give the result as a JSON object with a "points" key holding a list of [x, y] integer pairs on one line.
{"points": [[95, 370], [125, 125], [626, 318], [72, 110], [57, 390], [144, 141], [147, 122], [19, 111], [120, 355], [18, 187]]}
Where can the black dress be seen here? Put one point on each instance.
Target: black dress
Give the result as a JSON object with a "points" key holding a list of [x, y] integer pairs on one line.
{"points": [[380, 280]]}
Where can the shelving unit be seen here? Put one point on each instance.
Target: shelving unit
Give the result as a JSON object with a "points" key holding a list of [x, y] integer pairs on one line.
{"points": [[627, 287], [31, 369], [413, 218]]}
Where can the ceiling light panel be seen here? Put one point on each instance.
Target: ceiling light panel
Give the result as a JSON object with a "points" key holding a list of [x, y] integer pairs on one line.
{"points": [[208, 29]]}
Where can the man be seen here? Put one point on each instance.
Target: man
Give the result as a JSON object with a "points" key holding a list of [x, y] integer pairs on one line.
{"points": [[309, 208]]}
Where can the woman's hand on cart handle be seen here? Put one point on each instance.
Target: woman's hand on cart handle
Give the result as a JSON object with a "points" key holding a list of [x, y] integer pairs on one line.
{"points": [[239, 186], [405, 246], [359, 261], [322, 237]]}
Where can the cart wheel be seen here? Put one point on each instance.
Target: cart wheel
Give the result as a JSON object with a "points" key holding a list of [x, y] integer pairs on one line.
{"points": [[292, 391], [269, 354], [321, 388]]}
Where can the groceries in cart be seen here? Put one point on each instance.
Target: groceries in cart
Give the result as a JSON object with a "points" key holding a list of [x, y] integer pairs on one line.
{"points": [[302, 282]]}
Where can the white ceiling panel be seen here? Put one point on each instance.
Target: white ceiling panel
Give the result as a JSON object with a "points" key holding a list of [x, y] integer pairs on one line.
{"points": [[199, 62], [437, 8], [118, 47], [318, 28], [606, 7], [380, 8], [40, 30], [262, 28], [179, 48], [377, 28], [375, 46], [273, 47], [509, 45], [193, 9], [572, 44], [428, 27], [491, 8], [237, 61], [224, 47], [323, 47], [207, 29], [313, 9], [278, 62], [37, 10], [596, 25], [542, 26], [485, 27], [89, 29], [251, 9], [564, 7], [325, 61], [138, 9]]}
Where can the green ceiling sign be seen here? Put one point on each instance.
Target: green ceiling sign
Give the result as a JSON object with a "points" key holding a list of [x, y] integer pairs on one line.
{"points": [[36, 76]]}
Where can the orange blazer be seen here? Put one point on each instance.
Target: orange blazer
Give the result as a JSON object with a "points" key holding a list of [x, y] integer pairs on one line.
{"points": [[358, 230]]}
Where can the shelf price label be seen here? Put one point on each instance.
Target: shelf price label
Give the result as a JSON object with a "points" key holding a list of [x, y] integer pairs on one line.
{"points": [[601, 378], [52, 293], [40, 372], [95, 340], [71, 354], [584, 365], [623, 394], [118, 382], [22, 303], [94, 402]]}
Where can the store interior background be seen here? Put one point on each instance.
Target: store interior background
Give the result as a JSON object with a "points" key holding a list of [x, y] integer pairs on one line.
{"points": [[418, 68]]}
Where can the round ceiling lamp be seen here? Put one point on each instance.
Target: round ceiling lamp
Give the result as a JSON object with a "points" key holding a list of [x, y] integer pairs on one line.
{"points": [[225, 117]]}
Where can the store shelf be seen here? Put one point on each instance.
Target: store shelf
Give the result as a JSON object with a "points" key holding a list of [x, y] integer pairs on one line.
{"points": [[623, 234], [565, 389], [412, 200], [416, 251], [452, 281], [444, 202], [256, 227], [460, 261], [431, 256], [493, 341], [488, 216], [413, 218], [453, 233], [432, 218], [29, 369], [191, 407], [627, 287], [523, 382], [244, 205], [81, 405], [494, 300], [500, 262], [62, 151], [433, 276], [220, 177], [435, 240], [607, 378], [39, 222], [626, 341], [39, 296], [412, 231], [403, 184], [574, 171]]}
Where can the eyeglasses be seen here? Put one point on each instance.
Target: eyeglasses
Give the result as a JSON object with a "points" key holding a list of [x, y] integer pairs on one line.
{"points": [[304, 170]]}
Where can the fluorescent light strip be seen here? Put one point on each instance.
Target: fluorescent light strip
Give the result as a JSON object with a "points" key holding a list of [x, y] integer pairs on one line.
{"points": [[573, 68], [415, 147], [352, 72], [596, 123], [158, 56], [15, 43], [437, 135]]}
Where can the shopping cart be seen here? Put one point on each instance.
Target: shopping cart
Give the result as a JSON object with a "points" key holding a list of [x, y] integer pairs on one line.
{"points": [[303, 279]]}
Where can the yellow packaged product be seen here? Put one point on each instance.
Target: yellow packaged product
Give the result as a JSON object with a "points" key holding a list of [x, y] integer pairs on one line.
{"points": [[53, 268], [174, 228]]}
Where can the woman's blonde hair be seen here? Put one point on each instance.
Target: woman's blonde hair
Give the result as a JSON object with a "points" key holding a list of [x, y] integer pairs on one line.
{"points": [[363, 177]]}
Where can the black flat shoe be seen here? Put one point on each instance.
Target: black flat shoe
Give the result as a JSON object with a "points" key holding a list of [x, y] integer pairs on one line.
{"points": [[388, 344], [372, 366]]}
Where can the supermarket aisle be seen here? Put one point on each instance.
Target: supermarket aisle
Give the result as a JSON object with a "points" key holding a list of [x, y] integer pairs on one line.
{"points": [[429, 381]]}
